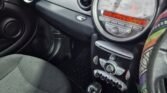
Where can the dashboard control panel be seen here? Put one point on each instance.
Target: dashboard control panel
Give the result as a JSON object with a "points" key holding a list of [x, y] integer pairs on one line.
{"points": [[111, 64]]}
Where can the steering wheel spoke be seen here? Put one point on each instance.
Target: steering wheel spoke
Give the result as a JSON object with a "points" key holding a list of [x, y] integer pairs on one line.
{"points": [[157, 72], [157, 69], [155, 75]]}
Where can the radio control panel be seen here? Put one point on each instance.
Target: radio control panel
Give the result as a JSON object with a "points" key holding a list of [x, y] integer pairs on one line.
{"points": [[111, 64]]}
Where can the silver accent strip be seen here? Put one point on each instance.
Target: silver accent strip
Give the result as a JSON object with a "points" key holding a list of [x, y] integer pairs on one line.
{"points": [[113, 49]]}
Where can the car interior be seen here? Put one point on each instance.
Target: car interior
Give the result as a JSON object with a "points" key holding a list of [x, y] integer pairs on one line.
{"points": [[74, 46]]}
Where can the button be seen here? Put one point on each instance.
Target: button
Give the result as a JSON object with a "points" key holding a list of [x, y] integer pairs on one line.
{"points": [[125, 30], [121, 23], [110, 68], [116, 83], [137, 28], [95, 60], [119, 86], [103, 62], [114, 21], [127, 76], [129, 25], [114, 30], [108, 81], [102, 78], [96, 75], [112, 57], [81, 18], [119, 71]]}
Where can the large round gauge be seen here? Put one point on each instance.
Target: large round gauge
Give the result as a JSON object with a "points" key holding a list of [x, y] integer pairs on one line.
{"points": [[123, 20]]}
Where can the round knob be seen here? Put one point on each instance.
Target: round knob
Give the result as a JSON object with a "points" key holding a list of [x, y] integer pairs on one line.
{"points": [[110, 68]]}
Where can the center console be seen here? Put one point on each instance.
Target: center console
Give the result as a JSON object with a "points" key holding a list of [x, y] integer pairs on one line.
{"points": [[113, 64], [117, 47]]}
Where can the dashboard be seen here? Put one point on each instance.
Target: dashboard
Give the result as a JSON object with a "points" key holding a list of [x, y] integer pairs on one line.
{"points": [[68, 17], [110, 26], [70, 4], [115, 20]]}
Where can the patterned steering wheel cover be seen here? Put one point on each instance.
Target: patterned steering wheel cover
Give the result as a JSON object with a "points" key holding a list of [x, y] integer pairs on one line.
{"points": [[160, 27]]}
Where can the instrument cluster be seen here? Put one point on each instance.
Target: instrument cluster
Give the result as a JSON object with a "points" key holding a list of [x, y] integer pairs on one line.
{"points": [[123, 20]]}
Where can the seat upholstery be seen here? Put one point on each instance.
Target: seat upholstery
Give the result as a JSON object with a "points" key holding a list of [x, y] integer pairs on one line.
{"points": [[26, 74]]}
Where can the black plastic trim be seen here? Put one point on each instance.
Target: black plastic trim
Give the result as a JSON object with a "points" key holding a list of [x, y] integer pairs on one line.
{"points": [[66, 20]]}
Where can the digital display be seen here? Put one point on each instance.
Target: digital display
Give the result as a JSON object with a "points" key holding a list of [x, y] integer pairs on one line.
{"points": [[139, 21], [134, 8]]}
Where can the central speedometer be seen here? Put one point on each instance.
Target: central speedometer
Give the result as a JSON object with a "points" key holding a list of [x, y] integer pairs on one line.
{"points": [[123, 20]]}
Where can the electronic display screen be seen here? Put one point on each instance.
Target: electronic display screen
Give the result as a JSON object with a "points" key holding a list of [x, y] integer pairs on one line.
{"points": [[134, 8]]}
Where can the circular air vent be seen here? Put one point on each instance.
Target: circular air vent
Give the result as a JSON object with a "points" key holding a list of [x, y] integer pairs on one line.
{"points": [[85, 4]]}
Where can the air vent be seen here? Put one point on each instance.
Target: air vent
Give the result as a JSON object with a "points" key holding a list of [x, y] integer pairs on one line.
{"points": [[85, 4]]}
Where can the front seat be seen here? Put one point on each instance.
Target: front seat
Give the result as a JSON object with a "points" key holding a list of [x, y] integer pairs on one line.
{"points": [[26, 74]]}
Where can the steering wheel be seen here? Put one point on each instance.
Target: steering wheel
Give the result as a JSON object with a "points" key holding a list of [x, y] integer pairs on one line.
{"points": [[17, 26], [153, 65]]}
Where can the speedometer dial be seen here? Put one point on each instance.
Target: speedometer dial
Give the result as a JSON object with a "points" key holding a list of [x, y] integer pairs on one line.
{"points": [[123, 20]]}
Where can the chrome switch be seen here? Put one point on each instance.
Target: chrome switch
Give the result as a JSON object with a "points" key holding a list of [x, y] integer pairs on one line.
{"points": [[112, 67]]}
